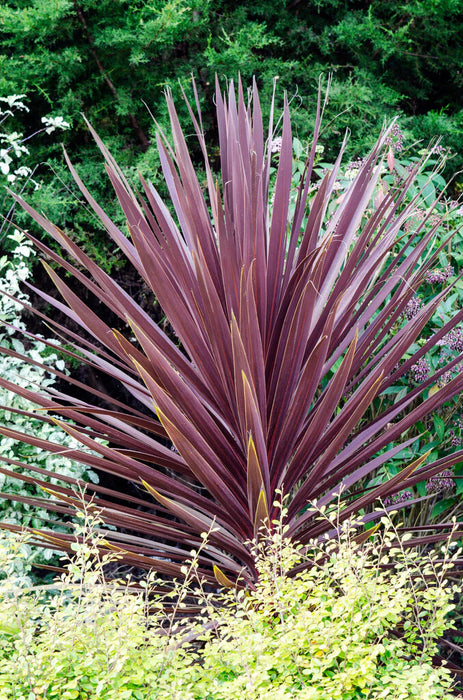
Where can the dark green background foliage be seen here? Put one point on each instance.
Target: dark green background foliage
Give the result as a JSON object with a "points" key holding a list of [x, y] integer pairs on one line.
{"points": [[106, 58]]}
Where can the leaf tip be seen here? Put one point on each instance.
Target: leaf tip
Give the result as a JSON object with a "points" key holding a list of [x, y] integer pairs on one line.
{"points": [[222, 579]]}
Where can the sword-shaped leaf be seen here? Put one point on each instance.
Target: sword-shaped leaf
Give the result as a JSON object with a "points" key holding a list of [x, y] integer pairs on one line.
{"points": [[288, 331]]}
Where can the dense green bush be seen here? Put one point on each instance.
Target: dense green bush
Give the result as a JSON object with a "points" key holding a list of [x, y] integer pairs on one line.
{"points": [[18, 412], [345, 629], [19, 353], [107, 58]]}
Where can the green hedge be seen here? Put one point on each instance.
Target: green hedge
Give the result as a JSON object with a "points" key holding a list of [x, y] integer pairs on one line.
{"points": [[111, 59]]}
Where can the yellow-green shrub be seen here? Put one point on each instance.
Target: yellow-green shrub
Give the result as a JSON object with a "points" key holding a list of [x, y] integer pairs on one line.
{"points": [[347, 628]]}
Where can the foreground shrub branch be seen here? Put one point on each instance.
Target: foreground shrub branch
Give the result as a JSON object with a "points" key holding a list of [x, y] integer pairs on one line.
{"points": [[343, 629]]}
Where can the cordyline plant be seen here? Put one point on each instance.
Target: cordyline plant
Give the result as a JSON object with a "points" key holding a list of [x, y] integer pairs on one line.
{"points": [[289, 327]]}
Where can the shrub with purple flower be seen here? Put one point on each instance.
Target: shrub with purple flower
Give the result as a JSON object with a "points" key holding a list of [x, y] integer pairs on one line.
{"points": [[445, 378], [420, 371], [353, 167], [456, 432], [395, 138], [453, 340], [440, 482], [412, 308], [439, 276], [398, 498], [438, 150]]}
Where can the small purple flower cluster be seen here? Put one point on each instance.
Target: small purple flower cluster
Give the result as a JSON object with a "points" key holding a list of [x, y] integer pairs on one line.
{"points": [[395, 368], [395, 139], [456, 433], [412, 308], [398, 498], [439, 276], [440, 482], [445, 378], [438, 150], [420, 370], [453, 340], [356, 164], [456, 440]]}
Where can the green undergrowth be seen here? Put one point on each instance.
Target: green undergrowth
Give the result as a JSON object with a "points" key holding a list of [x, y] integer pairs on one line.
{"points": [[361, 622], [18, 413]]}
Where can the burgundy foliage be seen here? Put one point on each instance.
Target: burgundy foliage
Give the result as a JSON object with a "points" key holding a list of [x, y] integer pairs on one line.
{"points": [[290, 323]]}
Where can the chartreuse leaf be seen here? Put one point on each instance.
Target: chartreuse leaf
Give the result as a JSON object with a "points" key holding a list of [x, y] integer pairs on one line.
{"points": [[254, 477], [261, 517], [222, 579]]}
